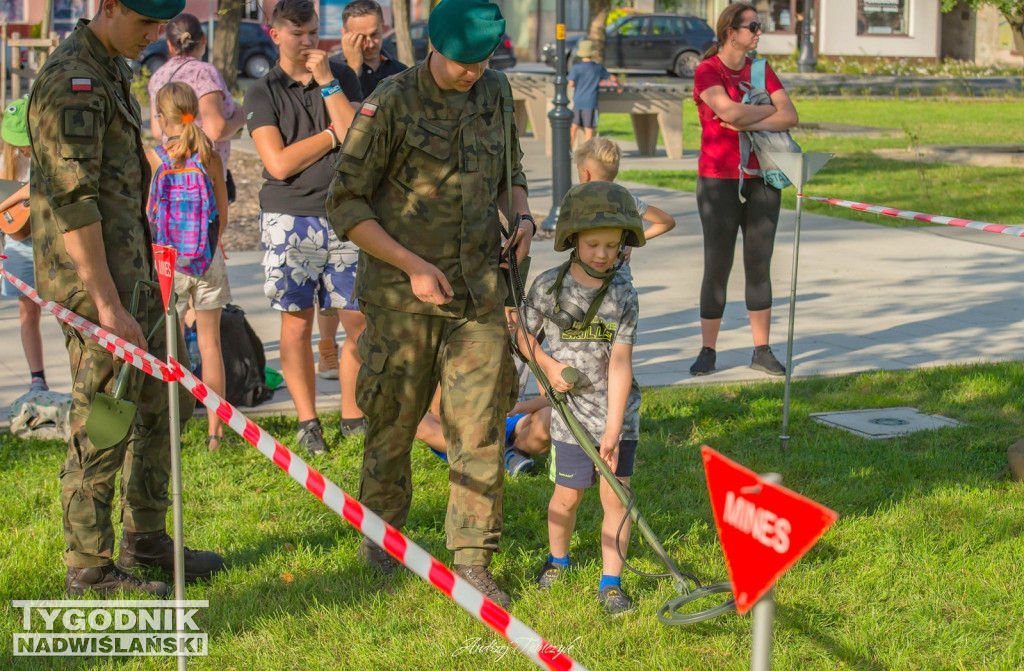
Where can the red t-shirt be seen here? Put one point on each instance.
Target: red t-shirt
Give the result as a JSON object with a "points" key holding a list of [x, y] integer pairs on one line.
{"points": [[720, 147]]}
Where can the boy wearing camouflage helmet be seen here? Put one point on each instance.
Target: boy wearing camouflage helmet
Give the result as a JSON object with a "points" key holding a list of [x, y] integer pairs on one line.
{"points": [[597, 222]]}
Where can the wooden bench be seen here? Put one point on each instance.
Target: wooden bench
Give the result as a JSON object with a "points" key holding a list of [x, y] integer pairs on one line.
{"points": [[651, 107]]}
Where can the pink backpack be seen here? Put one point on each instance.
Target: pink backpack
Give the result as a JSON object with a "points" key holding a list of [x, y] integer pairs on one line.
{"points": [[183, 212]]}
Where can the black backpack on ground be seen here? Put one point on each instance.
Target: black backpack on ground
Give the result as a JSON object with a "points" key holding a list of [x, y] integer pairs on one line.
{"points": [[244, 360]]}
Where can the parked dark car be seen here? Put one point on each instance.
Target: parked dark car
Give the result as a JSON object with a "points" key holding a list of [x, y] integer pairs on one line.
{"points": [[648, 42], [257, 53], [504, 57]]}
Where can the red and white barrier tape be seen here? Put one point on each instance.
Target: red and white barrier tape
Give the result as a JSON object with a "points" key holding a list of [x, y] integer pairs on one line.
{"points": [[415, 558], [1005, 229]]}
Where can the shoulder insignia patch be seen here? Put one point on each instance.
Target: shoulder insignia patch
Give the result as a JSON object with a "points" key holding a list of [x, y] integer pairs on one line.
{"points": [[368, 109], [81, 84]]}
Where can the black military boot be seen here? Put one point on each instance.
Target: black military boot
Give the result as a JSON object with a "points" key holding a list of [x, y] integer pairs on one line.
{"points": [[108, 580], [156, 548]]}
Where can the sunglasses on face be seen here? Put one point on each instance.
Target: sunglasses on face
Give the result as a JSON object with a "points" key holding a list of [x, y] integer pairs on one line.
{"points": [[753, 26]]}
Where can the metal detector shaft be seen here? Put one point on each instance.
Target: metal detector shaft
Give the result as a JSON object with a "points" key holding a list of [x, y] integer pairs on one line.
{"points": [[571, 375], [784, 438]]}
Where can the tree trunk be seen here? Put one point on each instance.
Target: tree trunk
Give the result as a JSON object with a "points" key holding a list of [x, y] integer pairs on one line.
{"points": [[403, 38], [595, 31], [225, 40], [1016, 22]]}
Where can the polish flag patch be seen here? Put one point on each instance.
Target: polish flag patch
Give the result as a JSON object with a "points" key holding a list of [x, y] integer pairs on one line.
{"points": [[368, 109], [81, 84]]}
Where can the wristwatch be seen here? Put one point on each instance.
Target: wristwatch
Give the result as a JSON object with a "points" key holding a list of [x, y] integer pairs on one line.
{"points": [[529, 217]]}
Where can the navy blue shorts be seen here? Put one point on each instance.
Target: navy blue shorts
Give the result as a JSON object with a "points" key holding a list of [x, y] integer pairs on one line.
{"points": [[585, 118], [571, 467]]}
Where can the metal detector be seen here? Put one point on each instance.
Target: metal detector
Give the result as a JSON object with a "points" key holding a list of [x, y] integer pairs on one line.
{"points": [[687, 584]]}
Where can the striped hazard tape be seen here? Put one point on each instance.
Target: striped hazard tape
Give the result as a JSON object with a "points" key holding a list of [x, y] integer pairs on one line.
{"points": [[1005, 229], [416, 559]]}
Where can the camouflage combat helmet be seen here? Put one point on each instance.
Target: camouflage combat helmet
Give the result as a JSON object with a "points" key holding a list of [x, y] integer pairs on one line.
{"points": [[598, 205]]}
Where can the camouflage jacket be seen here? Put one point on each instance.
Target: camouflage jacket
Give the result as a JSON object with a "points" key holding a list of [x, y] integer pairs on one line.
{"points": [[88, 165], [430, 172]]}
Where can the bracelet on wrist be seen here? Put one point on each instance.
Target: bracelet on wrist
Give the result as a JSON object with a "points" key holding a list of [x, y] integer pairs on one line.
{"points": [[330, 88], [334, 137]]}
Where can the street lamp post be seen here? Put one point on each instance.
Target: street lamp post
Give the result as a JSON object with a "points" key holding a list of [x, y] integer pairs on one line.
{"points": [[807, 60], [561, 120]]}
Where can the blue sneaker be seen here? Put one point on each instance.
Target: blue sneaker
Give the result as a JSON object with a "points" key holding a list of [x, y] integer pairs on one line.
{"points": [[517, 462]]}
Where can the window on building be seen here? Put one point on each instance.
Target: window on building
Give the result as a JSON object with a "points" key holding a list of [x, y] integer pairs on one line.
{"points": [[777, 16], [882, 17]]}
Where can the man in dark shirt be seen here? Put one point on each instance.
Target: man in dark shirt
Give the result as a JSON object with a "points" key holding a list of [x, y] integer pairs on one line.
{"points": [[297, 116], [362, 27]]}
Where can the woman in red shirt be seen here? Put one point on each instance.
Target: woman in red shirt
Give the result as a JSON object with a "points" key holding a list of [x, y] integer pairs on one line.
{"points": [[717, 92]]}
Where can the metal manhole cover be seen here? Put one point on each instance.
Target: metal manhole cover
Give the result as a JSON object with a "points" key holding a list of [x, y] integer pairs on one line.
{"points": [[883, 422], [889, 421]]}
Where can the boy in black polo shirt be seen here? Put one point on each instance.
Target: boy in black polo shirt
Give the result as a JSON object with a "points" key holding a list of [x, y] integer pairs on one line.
{"points": [[297, 116]]}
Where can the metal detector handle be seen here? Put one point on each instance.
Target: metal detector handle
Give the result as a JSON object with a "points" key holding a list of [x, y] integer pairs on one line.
{"points": [[570, 375]]}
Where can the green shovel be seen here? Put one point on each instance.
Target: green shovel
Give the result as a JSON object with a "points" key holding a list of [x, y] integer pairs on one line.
{"points": [[110, 417]]}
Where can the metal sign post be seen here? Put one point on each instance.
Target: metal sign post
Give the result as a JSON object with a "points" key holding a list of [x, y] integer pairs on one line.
{"points": [[165, 259], [763, 615], [799, 168]]}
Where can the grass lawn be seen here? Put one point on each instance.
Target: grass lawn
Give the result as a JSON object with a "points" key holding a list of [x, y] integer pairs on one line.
{"points": [[921, 571], [984, 194]]}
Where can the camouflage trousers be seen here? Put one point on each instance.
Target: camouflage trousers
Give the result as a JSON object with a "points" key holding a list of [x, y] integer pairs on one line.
{"points": [[405, 356], [144, 458]]}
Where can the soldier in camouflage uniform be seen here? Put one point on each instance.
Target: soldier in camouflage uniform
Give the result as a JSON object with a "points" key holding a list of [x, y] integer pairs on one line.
{"points": [[90, 180], [418, 188]]}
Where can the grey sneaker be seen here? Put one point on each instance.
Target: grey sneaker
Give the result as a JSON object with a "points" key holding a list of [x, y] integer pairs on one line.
{"points": [[615, 601], [378, 558], [705, 362], [517, 462], [311, 437], [351, 428], [38, 384], [480, 577], [764, 360], [551, 574]]}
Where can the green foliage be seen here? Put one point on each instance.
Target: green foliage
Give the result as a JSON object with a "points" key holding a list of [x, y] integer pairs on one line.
{"points": [[921, 571], [140, 84], [900, 67]]}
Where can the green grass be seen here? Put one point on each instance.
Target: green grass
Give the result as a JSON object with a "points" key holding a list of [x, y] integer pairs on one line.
{"points": [[984, 194], [921, 571]]}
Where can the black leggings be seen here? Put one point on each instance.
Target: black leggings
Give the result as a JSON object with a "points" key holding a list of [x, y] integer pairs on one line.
{"points": [[722, 215]]}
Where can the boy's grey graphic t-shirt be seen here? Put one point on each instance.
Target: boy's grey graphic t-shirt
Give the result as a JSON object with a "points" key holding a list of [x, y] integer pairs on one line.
{"points": [[588, 350]]}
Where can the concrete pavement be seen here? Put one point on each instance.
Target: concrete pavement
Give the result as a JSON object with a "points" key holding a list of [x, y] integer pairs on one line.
{"points": [[869, 297]]}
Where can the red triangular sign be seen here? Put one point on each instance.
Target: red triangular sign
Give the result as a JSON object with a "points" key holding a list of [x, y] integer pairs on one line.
{"points": [[165, 258], [764, 527]]}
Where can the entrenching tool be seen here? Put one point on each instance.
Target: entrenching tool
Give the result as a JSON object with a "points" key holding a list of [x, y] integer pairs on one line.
{"points": [[110, 416]]}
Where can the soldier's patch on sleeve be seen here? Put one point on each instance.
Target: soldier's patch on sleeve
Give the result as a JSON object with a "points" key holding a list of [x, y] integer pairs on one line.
{"points": [[368, 109], [78, 122], [81, 84]]}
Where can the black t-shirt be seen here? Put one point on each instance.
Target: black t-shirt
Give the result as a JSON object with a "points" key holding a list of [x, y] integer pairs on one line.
{"points": [[369, 79], [298, 112]]}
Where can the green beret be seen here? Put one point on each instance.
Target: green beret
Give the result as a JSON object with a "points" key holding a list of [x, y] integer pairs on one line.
{"points": [[466, 31], [163, 10]]}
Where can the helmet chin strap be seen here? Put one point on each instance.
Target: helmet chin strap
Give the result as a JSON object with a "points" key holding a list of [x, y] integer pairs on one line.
{"points": [[606, 277]]}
